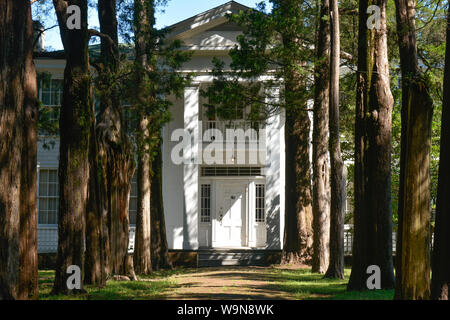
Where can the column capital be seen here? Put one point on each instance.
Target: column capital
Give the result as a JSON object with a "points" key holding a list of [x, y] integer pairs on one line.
{"points": [[193, 85]]}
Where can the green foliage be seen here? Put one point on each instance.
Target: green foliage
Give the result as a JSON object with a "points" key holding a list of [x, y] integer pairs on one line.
{"points": [[430, 23], [276, 45], [145, 91], [48, 124]]}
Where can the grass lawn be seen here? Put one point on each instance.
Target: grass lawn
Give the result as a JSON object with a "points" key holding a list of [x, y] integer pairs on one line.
{"points": [[222, 283]]}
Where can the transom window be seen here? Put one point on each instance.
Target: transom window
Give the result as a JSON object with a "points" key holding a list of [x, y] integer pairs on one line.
{"points": [[205, 200], [48, 196], [231, 171], [260, 203]]}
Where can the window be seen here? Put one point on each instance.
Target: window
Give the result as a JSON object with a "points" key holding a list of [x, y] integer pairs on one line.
{"points": [[51, 96], [260, 203], [229, 113], [52, 92], [48, 196], [132, 210], [205, 199]]}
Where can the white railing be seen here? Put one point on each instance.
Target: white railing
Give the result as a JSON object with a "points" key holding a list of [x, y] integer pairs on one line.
{"points": [[211, 128], [348, 240], [48, 239]]}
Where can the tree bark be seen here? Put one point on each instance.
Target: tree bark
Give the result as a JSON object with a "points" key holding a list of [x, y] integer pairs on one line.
{"points": [[143, 237], [142, 25], [152, 247], [112, 165], [298, 225], [373, 204], [76, 128], [120, 171], [440, 282], [338, 187], [298, 233], [18, 152], [97, 244], [321, 171], [159, 247], [413, 245]]}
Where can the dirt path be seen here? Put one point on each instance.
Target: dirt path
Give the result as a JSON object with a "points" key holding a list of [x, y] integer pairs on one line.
{"points": [[241, 283]]}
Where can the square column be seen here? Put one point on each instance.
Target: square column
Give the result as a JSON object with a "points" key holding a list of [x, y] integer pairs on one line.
{"points": [[190, 168], [275, 177]]}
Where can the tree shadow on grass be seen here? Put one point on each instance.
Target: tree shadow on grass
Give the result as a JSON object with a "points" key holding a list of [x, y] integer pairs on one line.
{"points": [[114, 290]]}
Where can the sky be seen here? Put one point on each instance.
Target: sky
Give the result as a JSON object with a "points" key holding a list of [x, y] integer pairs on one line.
{"points": [[175, 11]]}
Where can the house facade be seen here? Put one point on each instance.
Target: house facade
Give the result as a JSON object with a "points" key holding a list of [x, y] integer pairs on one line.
{"points": [[223, 180]]}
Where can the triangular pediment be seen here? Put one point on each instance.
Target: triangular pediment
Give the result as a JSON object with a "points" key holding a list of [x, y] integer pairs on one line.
{"points": [[209, 21]]}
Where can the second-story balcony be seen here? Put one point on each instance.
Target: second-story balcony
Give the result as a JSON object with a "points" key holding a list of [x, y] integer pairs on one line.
{"points": [[239, 131]]}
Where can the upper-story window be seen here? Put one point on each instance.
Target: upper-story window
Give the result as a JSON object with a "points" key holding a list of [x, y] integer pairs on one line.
{"points": [[50, 94]]}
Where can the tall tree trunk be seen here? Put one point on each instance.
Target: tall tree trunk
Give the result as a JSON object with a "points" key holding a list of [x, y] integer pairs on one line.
{"points": [[337, 211], [96, 263], [112, 163], [152, 247], [28, 260], [440, 282], [373, 205], [321, 173], [142, 25], [95, 259], [143, 236], [413, 246], [76, 122], [159, 247], [298, 232], [120, 170], [18, 152]]}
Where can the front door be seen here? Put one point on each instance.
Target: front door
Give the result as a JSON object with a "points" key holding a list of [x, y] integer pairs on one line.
{"points": [[230, 215]]}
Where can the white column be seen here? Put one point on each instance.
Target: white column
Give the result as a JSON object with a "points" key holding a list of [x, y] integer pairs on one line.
{"points": [[251, 214], [190, 169], [282, 175], [274, 168]]}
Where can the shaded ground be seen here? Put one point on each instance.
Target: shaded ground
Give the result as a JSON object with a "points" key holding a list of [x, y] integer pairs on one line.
{"points": [[235, 283]]}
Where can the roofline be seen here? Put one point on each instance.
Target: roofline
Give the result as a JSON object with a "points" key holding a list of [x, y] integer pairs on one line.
{"points": [[208, 11], [60, 55], [217, 15]]}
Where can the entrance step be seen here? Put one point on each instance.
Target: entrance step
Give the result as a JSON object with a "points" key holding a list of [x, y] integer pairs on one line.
{"points": [[232, 257]]}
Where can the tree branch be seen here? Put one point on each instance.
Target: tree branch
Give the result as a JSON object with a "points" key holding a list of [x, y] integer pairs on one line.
{"points": [[348, 12], [41, 32], [95, 33]]}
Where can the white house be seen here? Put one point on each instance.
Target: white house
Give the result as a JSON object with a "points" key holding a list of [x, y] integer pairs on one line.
{"points": [[236, 201]]}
